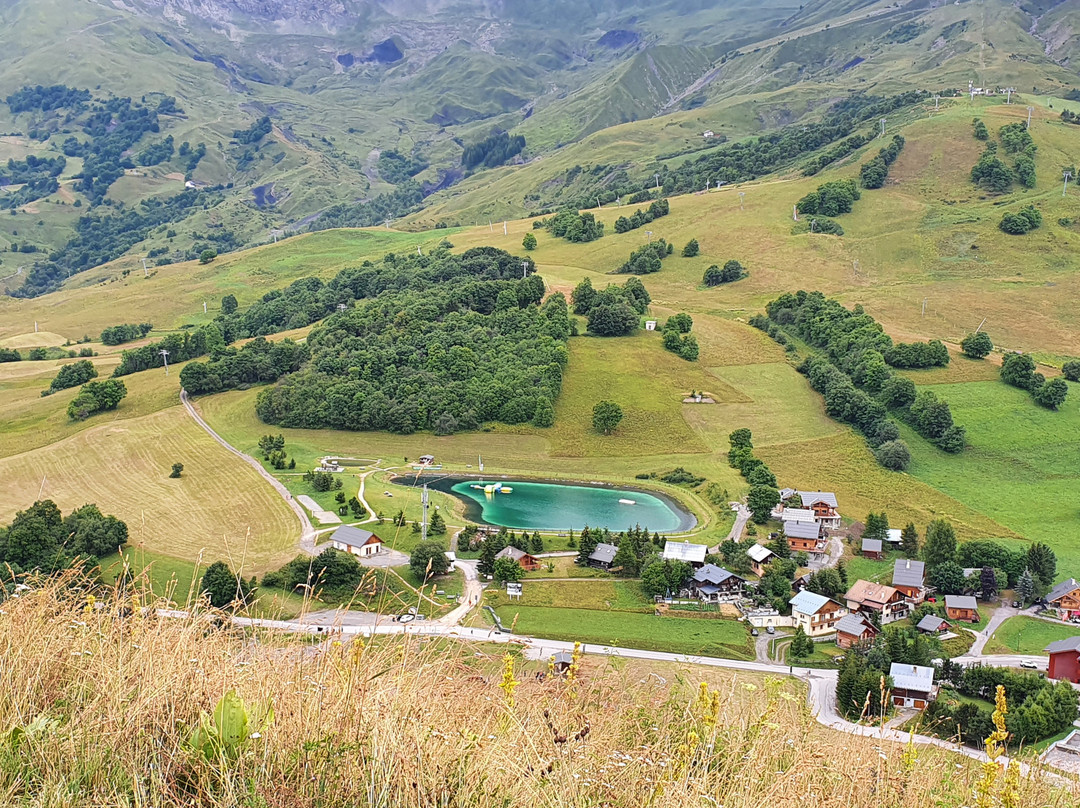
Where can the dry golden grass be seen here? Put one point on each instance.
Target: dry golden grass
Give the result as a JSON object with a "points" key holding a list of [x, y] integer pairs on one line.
{"points": [[103, 708], [219, 509]]}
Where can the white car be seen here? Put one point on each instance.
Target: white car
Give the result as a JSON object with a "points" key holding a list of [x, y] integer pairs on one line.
{"points": [[1027, 663]]}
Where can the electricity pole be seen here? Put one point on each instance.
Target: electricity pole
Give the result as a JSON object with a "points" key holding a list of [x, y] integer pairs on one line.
{"points": [[813, 224], [1068, 176], [423, 523], [1030, 110], [145, 273], [882, 128], [524, 268], [648, 235], [165, 356], [657, 181], [742, 195], [1009, 91], [937, 98]]}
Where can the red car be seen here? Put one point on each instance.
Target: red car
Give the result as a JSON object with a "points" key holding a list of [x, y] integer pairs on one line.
{"points": [[931, 600]]}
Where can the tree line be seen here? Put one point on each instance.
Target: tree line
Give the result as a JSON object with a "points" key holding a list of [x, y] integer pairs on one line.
{"points": [[1018, 370], [991, 173], [640, 217], [830, 199], [748, 159], [646, 259], [1038, 708], [46, 99], [38, 174], [446, 356], [492, 151], [571, 225], [100, 237], [96, 397], [853, 376], [72, 376], [677, 337], [127, 332], [614, 311], [257, 362], [42, 539], [873, 174], [764, 494]]}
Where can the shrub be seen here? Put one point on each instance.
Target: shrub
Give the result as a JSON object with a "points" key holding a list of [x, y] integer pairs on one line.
{"points": [[732, 271], [893, 455], [691, 249], [1071, 369], [977, 346]]}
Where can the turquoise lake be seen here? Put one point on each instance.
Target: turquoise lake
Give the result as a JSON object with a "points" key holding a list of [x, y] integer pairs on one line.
{"points": [[560, 506]]}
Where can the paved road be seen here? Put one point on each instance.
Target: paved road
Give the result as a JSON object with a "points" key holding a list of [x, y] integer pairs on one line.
{"points": [[742, 515], [471, 596], [1002, 614], [307, 532]]}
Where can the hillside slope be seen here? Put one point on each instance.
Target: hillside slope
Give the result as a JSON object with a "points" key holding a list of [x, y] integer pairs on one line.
{"points": [[371, 103]]}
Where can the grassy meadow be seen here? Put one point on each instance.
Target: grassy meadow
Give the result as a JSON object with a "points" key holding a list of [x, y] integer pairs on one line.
{"points": [[1028, 635]]}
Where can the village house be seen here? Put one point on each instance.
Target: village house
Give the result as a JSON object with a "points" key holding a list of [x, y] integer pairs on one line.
{"points": [[713, 584], [962, 607], [359, 542], [894, 537], [708, 133], [805, 537], [451, 559], [692, 554], [1065, 599], [822, 503], [1064, 660], [817, 614], [910, 578], [602, 556], [913, 685], [932, 624], [885, 601], [853, 629], [760, 558], [528, 563], [871, 548]]}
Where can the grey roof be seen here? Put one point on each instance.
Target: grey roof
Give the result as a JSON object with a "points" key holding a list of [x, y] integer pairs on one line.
{"points": [[853, 624], [758, 552], [1062, 589], [1071, 644], [908, 573], [511, 552], [797, 515], [604, 553], [802, 530], [787, 493], [961, 602], [351, 536], [685, 551], [809, 602], [931, 622], [564, 657], [708, 589], [871, 545], [810, 497], [912, 677], [894, 535], [713, 574]]}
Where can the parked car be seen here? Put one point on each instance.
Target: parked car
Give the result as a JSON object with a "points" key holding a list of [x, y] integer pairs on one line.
{"points": [[770, 630], [931, 600], [753, 632], [1027, 663]]}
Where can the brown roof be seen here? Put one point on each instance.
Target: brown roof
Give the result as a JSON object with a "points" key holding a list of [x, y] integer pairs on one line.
{"points": [[870, 593]]}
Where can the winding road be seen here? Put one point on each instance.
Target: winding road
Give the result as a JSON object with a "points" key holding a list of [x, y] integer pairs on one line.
{"points": [[307, 531]]}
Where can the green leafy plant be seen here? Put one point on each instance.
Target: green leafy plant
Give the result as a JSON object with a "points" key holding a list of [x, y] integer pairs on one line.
{"points": [[223, 735]]}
